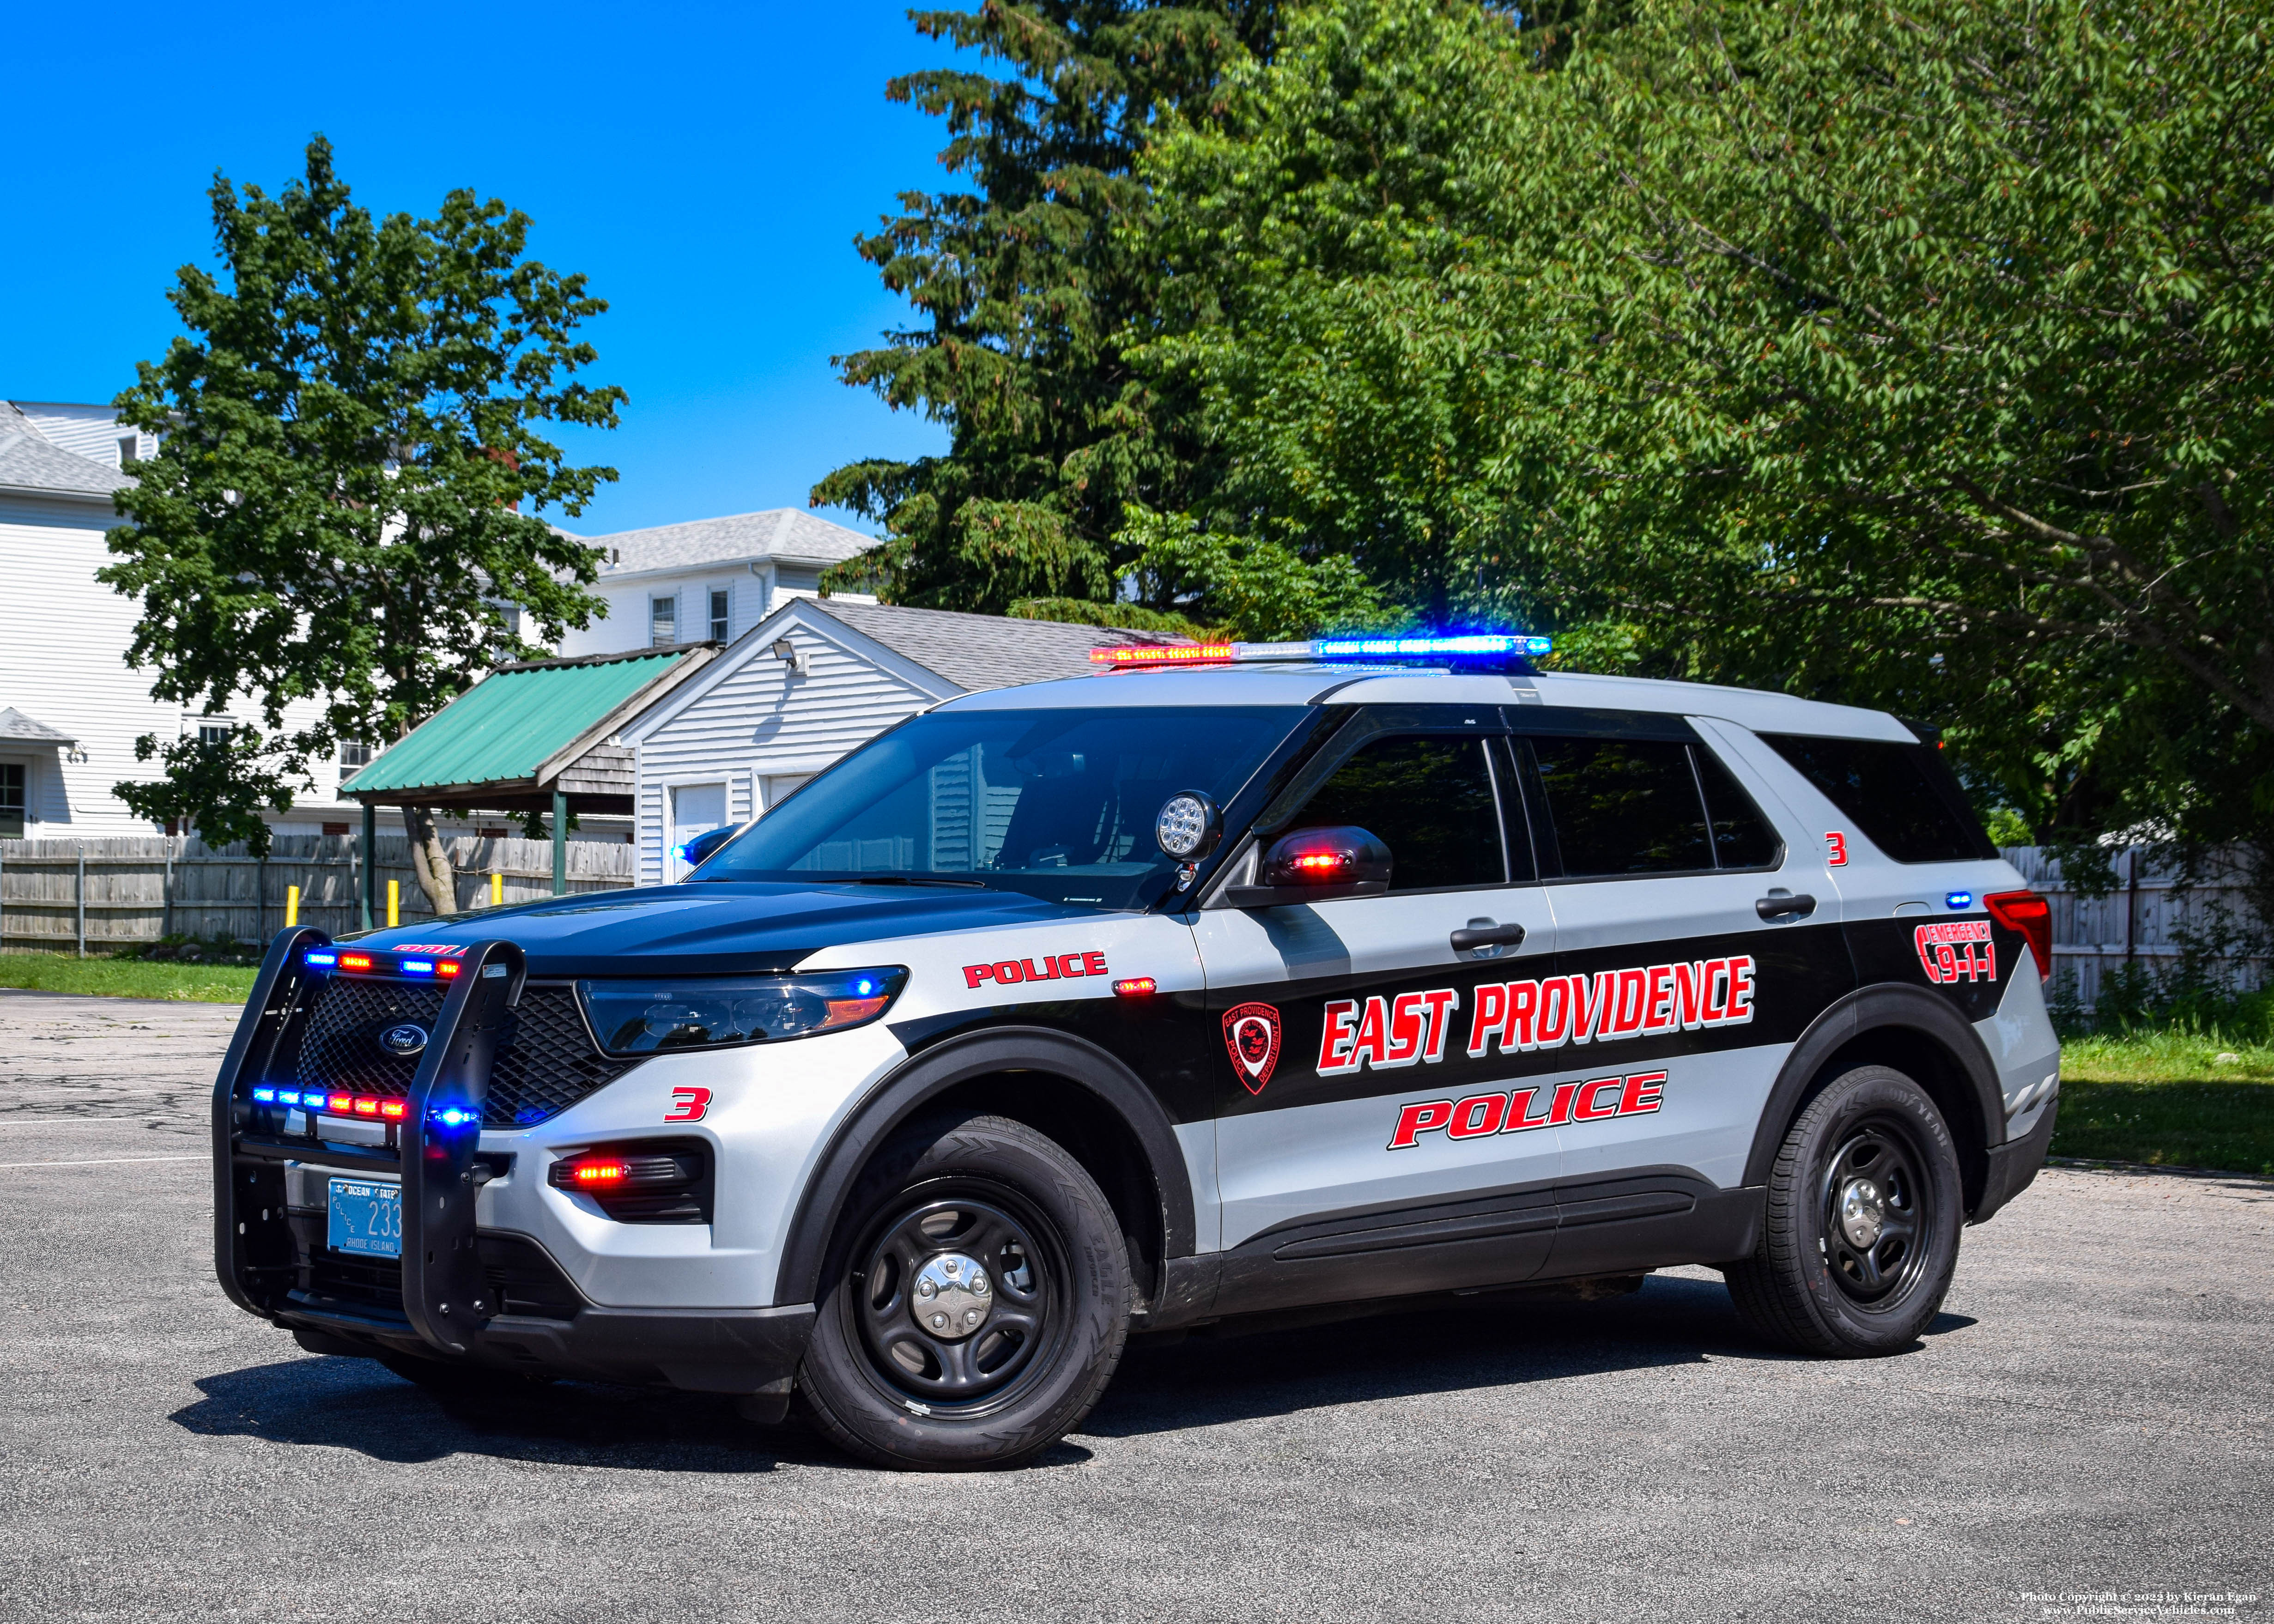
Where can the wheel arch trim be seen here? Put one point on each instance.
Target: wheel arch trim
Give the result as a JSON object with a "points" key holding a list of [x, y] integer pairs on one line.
{"points": [[924, 1077], [1885, 1007]]}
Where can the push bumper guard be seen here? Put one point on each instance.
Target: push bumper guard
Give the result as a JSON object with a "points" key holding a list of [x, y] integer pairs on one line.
{"points": [[448, 1308]]}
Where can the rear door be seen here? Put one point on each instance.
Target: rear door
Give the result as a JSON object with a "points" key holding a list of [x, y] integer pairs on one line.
{"points": [[1696, 941], [1362, 1148]]}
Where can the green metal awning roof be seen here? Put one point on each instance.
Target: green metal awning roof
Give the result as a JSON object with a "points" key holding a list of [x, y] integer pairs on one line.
{"points": [[519, 726]]}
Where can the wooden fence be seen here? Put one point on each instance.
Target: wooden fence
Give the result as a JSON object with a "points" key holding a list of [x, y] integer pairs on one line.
{"points": [[92, 896], [2154, 918]]}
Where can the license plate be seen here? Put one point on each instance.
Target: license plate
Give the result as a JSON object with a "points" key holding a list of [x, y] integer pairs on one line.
{"points": [[365, 1216]]}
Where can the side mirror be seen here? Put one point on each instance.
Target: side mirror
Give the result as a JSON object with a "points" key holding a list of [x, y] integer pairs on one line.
{"points": [[710, 841], [1316, 865]]}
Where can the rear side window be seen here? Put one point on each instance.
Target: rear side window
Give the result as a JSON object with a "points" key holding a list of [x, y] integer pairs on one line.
{"points": [[1647, 806], [1429, 800], [1742, 837], [1902, 796]]}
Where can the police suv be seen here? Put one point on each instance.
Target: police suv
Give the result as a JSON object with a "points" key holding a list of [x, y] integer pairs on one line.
{"points": [[1270, 978]]}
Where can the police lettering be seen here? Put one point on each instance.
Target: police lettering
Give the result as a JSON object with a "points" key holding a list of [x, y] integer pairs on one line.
{"points": [[1520, 1110], [1047, 968]]}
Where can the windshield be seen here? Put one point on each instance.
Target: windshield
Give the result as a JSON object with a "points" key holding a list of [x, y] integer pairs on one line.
{"points": [[1059, 804]]}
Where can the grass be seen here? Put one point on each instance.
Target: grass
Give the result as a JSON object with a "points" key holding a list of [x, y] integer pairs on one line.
{"points": [[126, 978], [2169, 1099]]}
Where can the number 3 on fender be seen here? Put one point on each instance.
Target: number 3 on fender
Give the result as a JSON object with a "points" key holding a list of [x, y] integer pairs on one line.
{"points": [[1835, 853], [688, 1105]]}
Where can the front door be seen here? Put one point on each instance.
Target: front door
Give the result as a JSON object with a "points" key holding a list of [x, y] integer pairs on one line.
{"points": [[1362, 1148]]}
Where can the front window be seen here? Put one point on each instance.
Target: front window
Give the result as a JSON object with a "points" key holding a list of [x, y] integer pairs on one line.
{"points": [[1058, 804], [662, 623]]}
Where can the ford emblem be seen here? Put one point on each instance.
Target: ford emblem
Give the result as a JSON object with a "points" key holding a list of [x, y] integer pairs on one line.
{"points": [[403, 1040]]}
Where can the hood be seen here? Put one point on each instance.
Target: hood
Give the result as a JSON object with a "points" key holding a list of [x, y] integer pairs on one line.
{"points": [[718, 926]]}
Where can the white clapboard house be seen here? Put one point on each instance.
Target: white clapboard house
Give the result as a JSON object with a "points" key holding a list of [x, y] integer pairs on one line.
{"points": [[70, 709], [812, 681]]}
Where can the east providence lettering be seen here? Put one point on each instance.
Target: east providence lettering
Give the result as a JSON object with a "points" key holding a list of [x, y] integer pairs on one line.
{"points": [[1382, 1032]]}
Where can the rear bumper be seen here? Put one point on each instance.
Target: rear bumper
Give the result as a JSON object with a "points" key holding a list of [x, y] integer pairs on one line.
{"points": [[2014, 1165]]}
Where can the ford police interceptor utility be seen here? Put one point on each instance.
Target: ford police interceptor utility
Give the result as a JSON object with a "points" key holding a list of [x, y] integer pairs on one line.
{"points": [[1285, 976]]}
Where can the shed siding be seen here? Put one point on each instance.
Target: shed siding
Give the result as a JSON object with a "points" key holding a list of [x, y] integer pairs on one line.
{"points": [[760, 721]]}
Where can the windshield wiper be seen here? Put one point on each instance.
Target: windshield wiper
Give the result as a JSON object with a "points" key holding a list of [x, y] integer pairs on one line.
{"points": [[913, 879]]}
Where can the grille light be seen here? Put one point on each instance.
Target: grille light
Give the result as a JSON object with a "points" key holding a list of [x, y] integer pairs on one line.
{"points": [[320, 958], [415, 967]]}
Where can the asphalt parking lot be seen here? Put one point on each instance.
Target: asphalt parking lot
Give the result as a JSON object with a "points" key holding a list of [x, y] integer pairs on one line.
{"points": [[2089, 1415]]}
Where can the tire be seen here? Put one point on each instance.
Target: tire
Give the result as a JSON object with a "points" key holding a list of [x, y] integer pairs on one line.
{"points": [[893, 1374], [1865, 1208]]}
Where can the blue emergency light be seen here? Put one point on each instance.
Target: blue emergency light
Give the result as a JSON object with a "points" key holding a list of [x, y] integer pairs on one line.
{"points": [[1449, 648]]}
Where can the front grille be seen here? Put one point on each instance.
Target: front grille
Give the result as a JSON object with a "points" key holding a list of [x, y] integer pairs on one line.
{"points": [[545, 1062]]}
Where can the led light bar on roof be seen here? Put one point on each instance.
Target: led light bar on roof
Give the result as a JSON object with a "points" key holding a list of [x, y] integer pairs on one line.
{"points": [[1452, 648]]}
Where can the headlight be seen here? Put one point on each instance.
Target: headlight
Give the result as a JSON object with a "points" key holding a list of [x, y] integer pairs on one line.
{"points": [[641, 1018]]}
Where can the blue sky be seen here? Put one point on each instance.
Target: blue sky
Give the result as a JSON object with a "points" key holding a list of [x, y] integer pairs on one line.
{"points": [[707, 167]]}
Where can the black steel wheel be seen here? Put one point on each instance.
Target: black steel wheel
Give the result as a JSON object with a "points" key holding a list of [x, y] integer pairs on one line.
{"points": [[1860, 1237], [1874, 1199], [962, 1296], [974, 1304]]}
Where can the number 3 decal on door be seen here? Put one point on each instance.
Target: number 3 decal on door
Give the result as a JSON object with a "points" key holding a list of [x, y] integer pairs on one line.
{"points": [[1837, 855], [688, 1105]]}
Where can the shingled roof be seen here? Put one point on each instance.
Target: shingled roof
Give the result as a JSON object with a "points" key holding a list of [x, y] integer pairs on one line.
{"points": [[31, 462], [978, 652], [779, 532]]}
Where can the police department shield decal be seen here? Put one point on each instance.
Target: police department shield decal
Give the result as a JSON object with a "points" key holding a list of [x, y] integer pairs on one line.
{"points": [[1251, 1033]]}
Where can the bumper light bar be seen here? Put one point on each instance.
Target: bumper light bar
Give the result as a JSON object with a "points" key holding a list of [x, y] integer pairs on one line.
{"points": [[1494, 648], [384, 1106], [421, 966]]}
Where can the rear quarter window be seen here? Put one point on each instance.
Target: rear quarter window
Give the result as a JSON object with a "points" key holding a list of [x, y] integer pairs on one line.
{"points": [[1902, 796]]}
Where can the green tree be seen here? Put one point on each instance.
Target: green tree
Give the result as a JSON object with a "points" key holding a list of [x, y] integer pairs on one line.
{"points": [[1024, 295], [1925, 346], [350, 429], [1908, 357]]}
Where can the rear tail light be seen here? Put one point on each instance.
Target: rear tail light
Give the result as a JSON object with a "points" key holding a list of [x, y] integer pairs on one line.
{"points": [[2032, 915]]}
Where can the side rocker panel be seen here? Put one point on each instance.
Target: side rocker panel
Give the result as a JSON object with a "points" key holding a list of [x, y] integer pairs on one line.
{"points": [[961, 1060]]}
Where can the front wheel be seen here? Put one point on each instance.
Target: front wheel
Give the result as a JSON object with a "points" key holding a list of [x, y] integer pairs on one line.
{"points": [[975, 1302], [1864, 1207]]}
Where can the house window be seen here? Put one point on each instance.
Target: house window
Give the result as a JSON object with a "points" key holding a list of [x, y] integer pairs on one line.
{"points": [[719, 614], [510, 613], [662, 621], [214, 735], [126, 454], [12, 800], [355, 753]]}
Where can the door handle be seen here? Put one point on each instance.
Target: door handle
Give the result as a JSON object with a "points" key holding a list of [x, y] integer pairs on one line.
{"points": [[1468, 938], [1778, 904]]}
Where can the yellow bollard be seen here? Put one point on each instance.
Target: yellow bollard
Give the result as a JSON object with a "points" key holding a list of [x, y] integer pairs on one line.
{"points": [[497, 888], [394, 903], [291, 907]]}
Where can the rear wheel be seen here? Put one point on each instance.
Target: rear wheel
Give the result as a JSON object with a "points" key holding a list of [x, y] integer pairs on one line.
{"points": [[975, 1302], [1861, 1236]]}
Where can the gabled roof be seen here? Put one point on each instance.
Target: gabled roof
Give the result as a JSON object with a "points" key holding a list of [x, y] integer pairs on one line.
{"points": [[787, 533], [512, 733], [31, 462], [16, 729], [979, 651], [938, 652]]}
